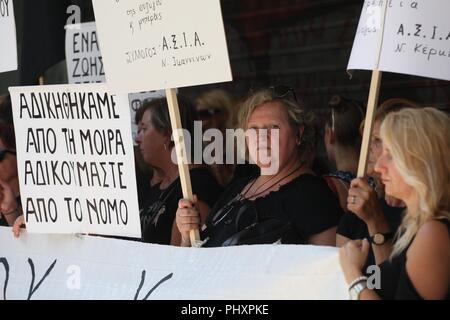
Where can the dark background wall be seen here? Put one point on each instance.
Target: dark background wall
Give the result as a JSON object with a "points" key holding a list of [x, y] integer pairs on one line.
{"points": [[305, 44]]}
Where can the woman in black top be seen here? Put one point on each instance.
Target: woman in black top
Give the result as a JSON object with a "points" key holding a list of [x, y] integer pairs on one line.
{"points": [[414, 167], [156, 146], [285, 203], [373, 212]]}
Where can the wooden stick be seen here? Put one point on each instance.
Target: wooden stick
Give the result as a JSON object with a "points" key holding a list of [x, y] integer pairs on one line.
{"points": [[180, 148], [368, 124]]}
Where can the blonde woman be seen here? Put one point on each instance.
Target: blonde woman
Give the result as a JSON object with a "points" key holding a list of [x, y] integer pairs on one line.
{"points": [[414, 167], [290, 205]]}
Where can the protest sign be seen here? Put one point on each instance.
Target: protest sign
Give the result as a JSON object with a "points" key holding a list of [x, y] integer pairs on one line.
{"points": [[71, 268], [408, 36], [8, 57], [83, 57], [161, 44], [75, 160]]}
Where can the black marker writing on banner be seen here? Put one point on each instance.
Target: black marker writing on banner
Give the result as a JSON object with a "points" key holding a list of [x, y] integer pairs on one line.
{"points": [[68, 105], [69, 173], [4, 8], [41, 140], [102, 142], [43, 210], [33, 276], [100, 211], [87, 67], [419, 30], [5, 264], [69, 138], [87, 43], [141, 284], [403, 3], [181, 41], [32, 288]]}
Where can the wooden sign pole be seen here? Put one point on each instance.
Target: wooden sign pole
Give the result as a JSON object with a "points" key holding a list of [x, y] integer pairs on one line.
{"points": [[372, 104], [180, 147]]}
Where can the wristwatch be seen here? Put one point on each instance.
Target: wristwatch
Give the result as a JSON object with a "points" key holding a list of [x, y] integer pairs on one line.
{"points": [[380, 238], [356, 289]]}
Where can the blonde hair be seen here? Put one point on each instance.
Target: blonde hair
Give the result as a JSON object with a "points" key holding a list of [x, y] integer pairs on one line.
{"points": [[296, 113], [220, 99], [419, 142], [388, 106]]}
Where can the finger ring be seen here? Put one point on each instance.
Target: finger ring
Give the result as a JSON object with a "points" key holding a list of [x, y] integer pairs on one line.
{"points": [[353, 199]]}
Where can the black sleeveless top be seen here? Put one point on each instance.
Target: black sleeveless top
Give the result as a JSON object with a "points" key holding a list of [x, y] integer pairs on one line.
{"points": [[395, 282], [305, 203]]}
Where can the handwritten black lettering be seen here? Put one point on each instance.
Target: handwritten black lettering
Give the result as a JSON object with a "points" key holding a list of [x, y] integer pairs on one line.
{"points": [[141, 284], [105, 210], [43, 210], [73, 105], [41, 140], [5, 264], [418, 30], [33, 289], [4, 8]]}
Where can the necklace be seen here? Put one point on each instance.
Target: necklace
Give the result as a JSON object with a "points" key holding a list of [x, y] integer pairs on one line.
{"points": [[239, 198], [256, 194]]}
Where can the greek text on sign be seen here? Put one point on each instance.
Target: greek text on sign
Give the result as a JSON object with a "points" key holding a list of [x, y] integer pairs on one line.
{"points": [[8, 44], [75, 160], [416, 38], [72, 268], [83, 56], [154, 45]]}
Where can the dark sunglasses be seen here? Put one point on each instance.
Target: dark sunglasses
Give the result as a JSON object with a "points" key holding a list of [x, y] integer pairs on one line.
{"points": [[284, 92], [208, 113], [4, 152]]}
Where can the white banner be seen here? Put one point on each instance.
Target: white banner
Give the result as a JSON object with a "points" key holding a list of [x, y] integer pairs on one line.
{"points": [[416, 38], [161, 44], [83, 56], [75, 160], [8, 44], [67, 267]]}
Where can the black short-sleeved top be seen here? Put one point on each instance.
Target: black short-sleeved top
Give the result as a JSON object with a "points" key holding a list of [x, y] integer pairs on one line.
{"points": [[395, 282], [353, 228], [159, 213], [306, 203]]}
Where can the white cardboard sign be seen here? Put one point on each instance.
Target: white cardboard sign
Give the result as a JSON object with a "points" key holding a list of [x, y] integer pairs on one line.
{"points": [[415, 39], [83, 56], [8, 44], [73, 268], [161, 44], [75, 160]]}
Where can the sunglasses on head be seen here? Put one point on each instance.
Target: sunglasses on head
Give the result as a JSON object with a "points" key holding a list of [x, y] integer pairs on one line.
{"points": [[284, 92], [208, 113], [4, 152]]}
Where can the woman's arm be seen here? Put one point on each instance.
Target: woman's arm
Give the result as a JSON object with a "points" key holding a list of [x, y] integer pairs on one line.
{"points": [[325, 238], [428, 261]]}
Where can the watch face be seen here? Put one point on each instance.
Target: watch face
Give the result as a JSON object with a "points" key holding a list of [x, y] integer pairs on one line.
{"points": [[378, 238]]}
